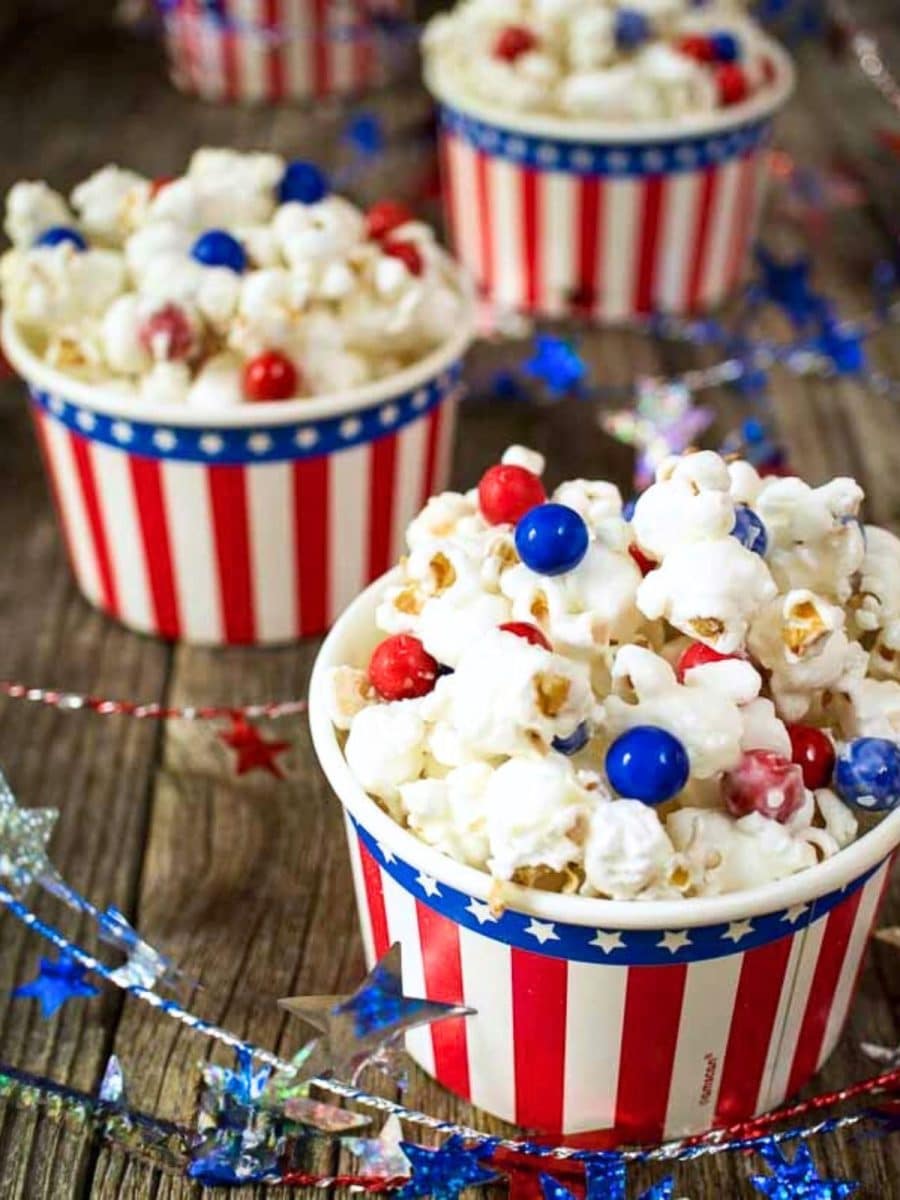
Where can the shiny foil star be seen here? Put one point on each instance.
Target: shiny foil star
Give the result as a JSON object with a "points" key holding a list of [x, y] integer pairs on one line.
{"points": [[58, 980], [664, 421], [605, 1175], [786, 284], [24, 834], [112, 1085], [797, 1179], [254, 752], [355, 1028], [382, 1155], [442, 1174], [557, 364]]}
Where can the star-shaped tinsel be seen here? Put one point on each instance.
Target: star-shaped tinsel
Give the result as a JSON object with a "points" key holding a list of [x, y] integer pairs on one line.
{"points": [[232, 1159], [798, 1178], [785, 282], [355, 1028], [443, 1173], [254, 752], [364, 132], [24, 834], [605, 1179], [664, 421], [112, 1085], [557, 364], [382, 1155], [842, 344], [58, 980]]}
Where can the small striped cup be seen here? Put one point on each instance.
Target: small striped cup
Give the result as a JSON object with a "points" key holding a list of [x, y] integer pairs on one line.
{"points": [[257, 524], [269, 51], [582, 218], [634, 1021]]}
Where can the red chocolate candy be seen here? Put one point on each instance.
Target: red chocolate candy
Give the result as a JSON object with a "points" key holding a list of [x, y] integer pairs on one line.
{"points": [[506, 493], [813, 752], [527, 631], [167, 334], [409, 255], [698, 655], [645, 564], [698, 47], [386, 216], [731, 82], [401, 668], [514, 41], [270, 376], [766, 783]]}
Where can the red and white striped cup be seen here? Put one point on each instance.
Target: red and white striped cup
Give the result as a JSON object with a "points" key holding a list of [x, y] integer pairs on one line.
{"points": [[633, 1021], [268, 51], [581, 218], [254, 525]]}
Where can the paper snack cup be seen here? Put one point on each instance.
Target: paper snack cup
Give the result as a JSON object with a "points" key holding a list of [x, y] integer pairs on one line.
{"points": [[252, 525], [269, 51], [592, 219], [644, 1020]]}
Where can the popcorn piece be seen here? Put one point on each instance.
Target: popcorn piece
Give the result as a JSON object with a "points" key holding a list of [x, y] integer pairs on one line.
{"points": [[166, 383], [724, 855], [218, 384], [536, 815], [689, 502], [385, 748], [32, 209], [451, 814], [628, 855], [874, 709], [876, 599], [110, 203], [348, 694], [763, 730], [122, 346], [56, 285], [521, 456]]}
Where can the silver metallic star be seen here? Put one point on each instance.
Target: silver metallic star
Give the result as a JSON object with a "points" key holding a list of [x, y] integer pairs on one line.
{"points": [[24, 834]]}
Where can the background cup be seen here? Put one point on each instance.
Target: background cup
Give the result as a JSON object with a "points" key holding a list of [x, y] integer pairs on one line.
{"points": [[642, 1020], [581, 218], [254, 525]]}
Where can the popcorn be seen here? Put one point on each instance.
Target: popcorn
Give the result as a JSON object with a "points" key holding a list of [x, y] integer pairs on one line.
{"points": [[385, 748], [876, 599], [111, 203], [32, 209], [627, 853], [451, 813], [690, 501]]}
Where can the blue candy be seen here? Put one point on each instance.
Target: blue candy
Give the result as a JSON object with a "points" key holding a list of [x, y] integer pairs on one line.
{"points": [[749, 530], [577, 740], [867, 774], [647, 763], [628, 508], [57, 235], [216, 248], [303, 182], [632, 29], [551, 539], [725, 47]]}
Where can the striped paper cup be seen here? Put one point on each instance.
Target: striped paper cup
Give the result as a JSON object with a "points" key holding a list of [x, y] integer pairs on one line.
{"points": [[269, 51], [580, 218], [254, 525], [636, 1021]]}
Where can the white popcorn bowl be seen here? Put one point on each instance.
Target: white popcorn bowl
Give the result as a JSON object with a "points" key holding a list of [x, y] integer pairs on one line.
{"points": [[605, 220], [633, 1021], [253, 525], [275, 51]]}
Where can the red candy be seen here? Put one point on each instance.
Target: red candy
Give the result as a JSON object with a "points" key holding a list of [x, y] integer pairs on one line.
{"points": [[812, 751], [698, 655], [527, 631], [506, 493], [514, 41], [160, 184], [766, 783], [386, 216], [695, 46], [270, 376], [401, 668], [731, 83], [408, 253], [645, 564], [167, 334]]}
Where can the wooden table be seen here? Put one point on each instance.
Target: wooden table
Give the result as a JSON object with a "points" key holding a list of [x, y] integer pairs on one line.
{"points": [[245, 881]]}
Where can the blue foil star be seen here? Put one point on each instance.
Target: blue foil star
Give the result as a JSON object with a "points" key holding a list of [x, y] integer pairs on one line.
{"points": [[365, 134], [553, 1190], [786, 283], [230, 1159], [843, 345], [557, 364], [605, 1175], [664, 1190], [58, 981], [443, 1173], [797, 1179]]}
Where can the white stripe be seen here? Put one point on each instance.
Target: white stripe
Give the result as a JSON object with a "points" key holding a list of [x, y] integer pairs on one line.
{"points": [[557, 239], [273, 566], [347, 528], [408, 471], [190, 524], [721, 233], [505, 216], [622, 206], [65, 472], [706, 1013], [359, 888], [791, 1009], [123, 536], [595, 1014], [249, 50], [487, 987], [210, 39], [446, 443], [856, 947], [676, 247], [294, 51], [464, 191], [403, 927]]}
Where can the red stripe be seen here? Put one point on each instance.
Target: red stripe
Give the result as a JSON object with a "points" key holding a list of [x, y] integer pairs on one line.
{"points": [[485, 215], [653, 997], [838, 927], [742, 232], [50, 472], [752, 1029], [539, 1038], [875, 911], [321, 64], [447, 190], [311, 487], [439, 938], [531, 236], [231, 527], [274, 24], [85, 467], [589, 219], [151, 509], [431, 451], [381, 504], [650, 221], [375, 901], [701, 235], [363, 48], [230, 65]]}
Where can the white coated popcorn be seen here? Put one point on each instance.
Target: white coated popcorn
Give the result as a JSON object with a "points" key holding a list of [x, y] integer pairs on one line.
{"points": [[218, 384], [521, 456], [166, 383], [627, 853], [110, 203], [536, 815], [875, 709], [122, 345], [690, 501], [763, 729], [60, 285], [32, 209], [725, 855], [451, 813], [878, 590], [385, 748]]}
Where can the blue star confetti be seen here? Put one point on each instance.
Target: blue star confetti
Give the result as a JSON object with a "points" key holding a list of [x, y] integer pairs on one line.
{"points": [[606, 1177], [557, 364], [552, 1189], [364, 133], [786, 284], [443, 1173], [664, 1190], [842, 344], [58, 980], [797, 1179]]}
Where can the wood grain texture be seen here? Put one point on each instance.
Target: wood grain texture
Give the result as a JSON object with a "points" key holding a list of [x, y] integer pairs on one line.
{"points": [[245, 882]]}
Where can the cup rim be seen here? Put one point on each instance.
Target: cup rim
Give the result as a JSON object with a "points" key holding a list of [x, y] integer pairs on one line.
{"points": [[281, 412], [764, 104], [826, 877]]}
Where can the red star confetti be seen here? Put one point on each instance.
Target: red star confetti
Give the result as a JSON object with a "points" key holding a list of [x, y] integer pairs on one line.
{"points": [[254, 752]]}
